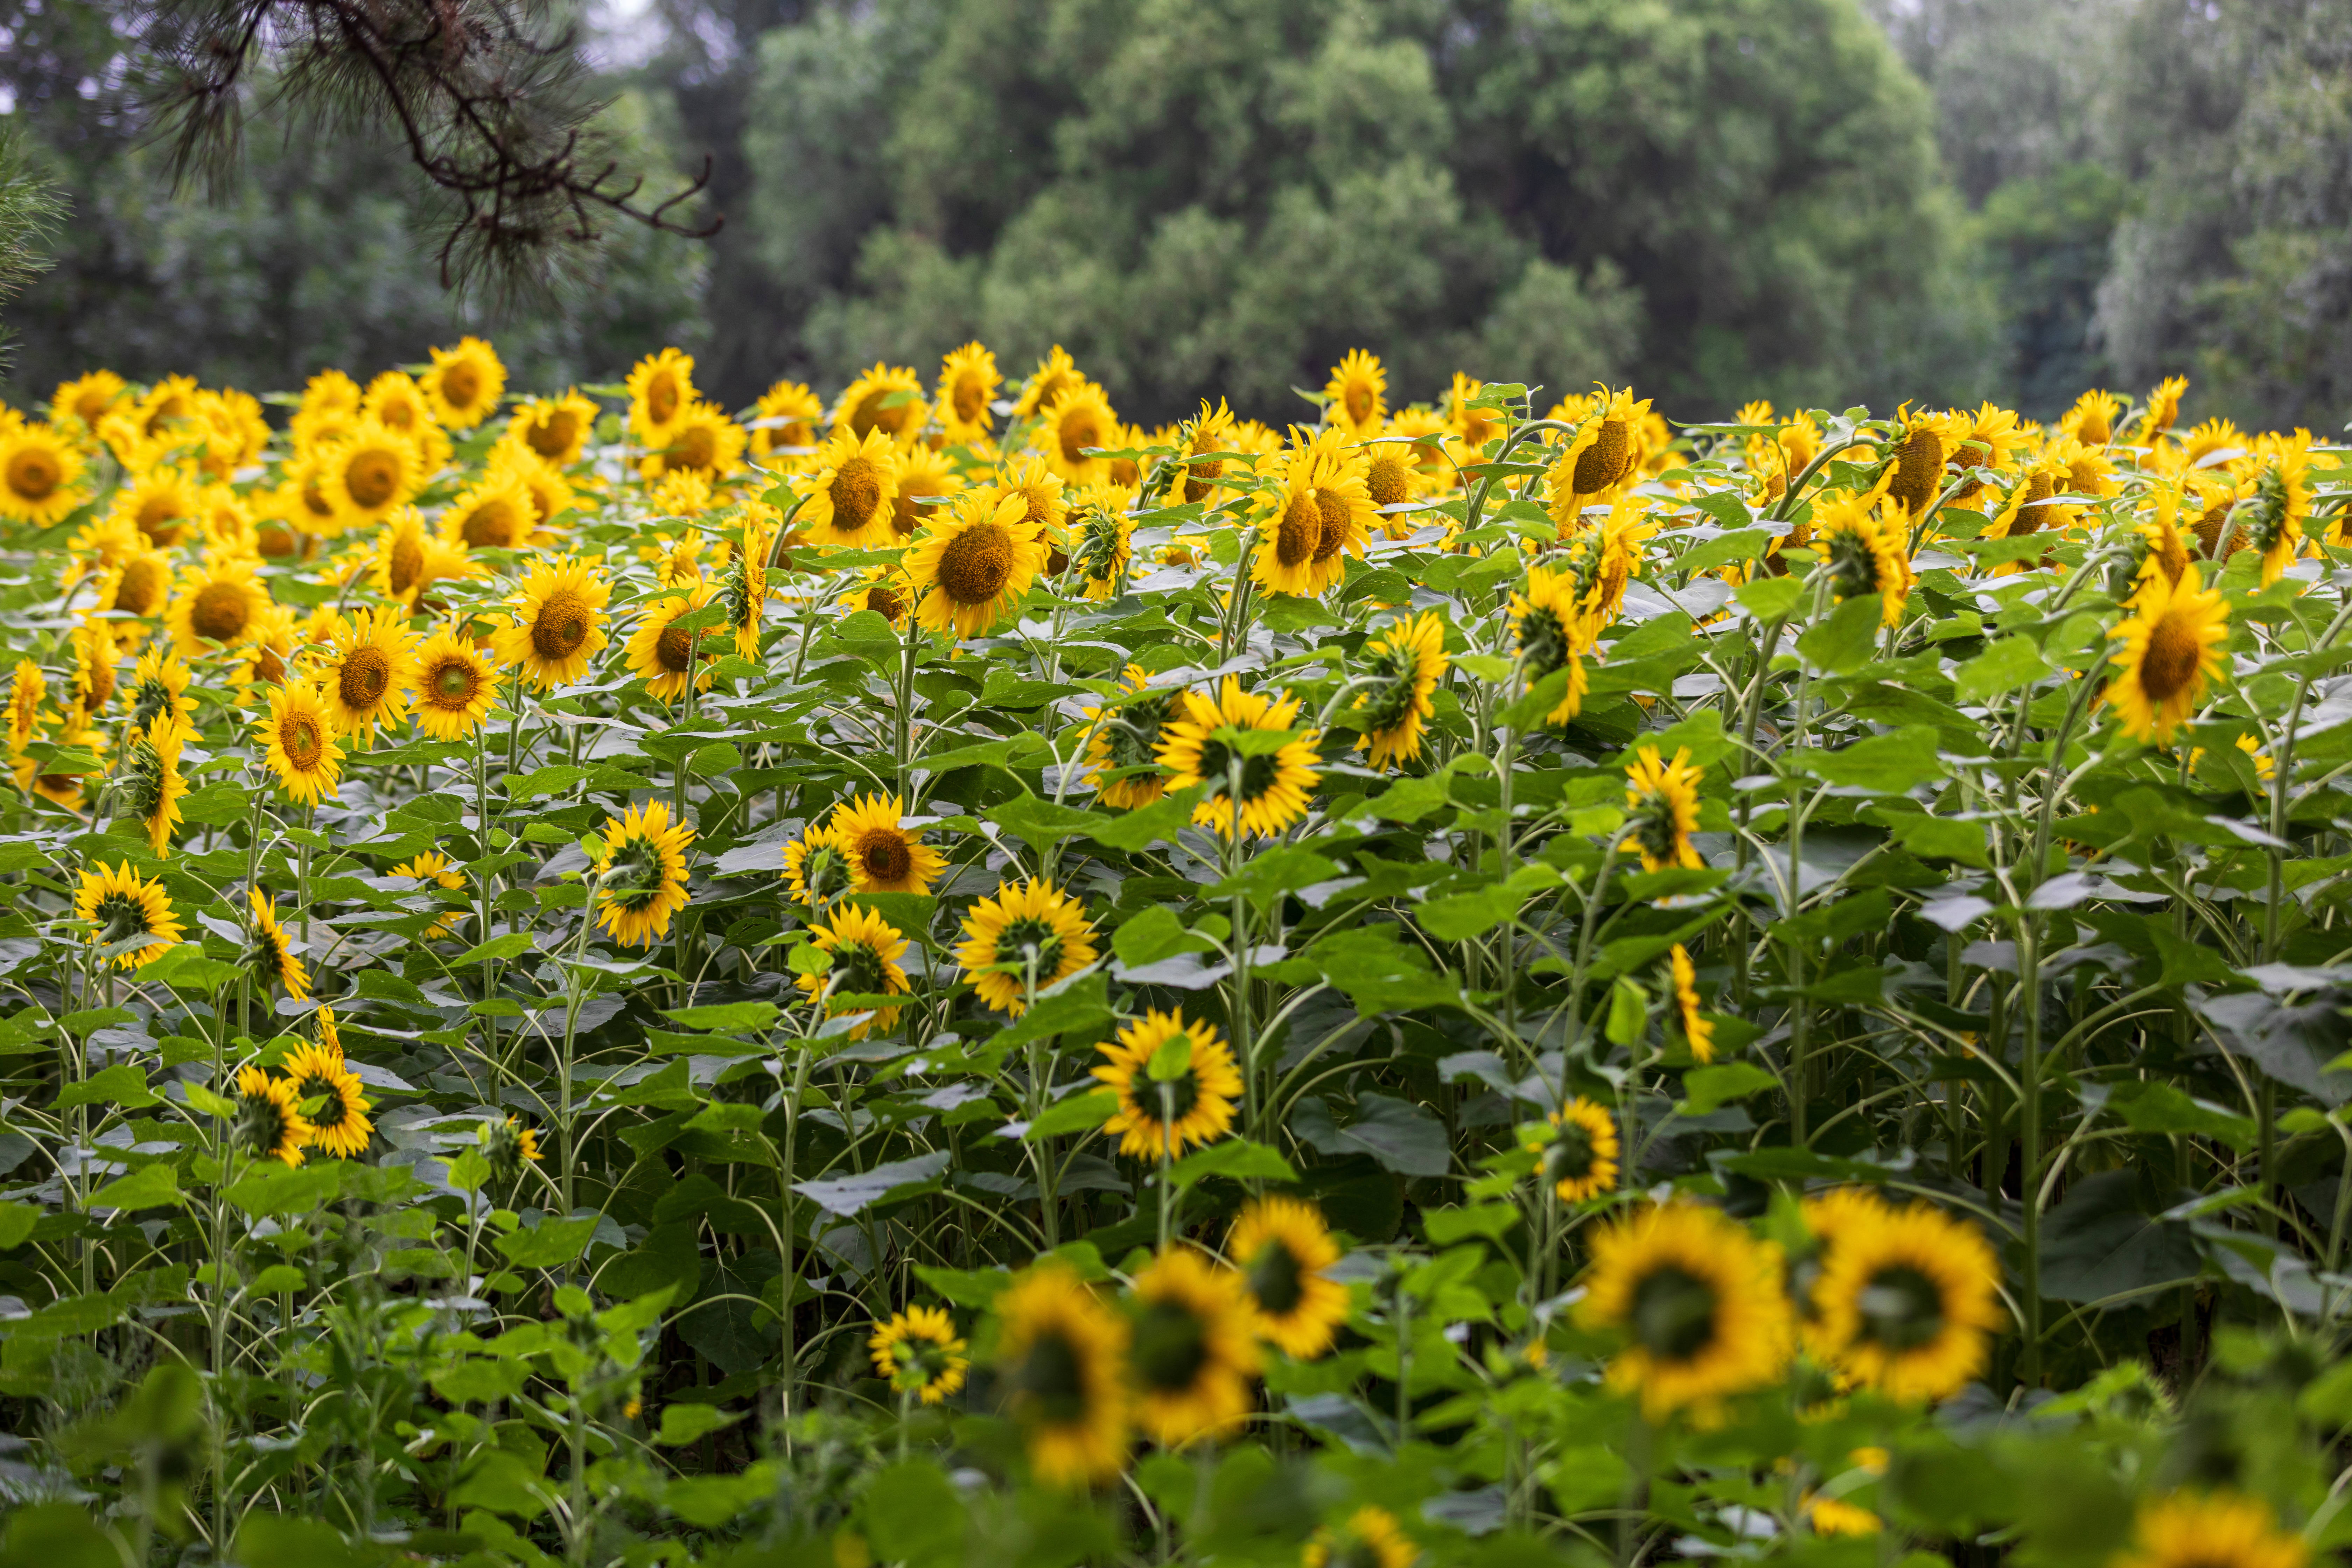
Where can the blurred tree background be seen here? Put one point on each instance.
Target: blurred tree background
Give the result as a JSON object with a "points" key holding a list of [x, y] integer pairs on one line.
{"points": [[1812, 200]]}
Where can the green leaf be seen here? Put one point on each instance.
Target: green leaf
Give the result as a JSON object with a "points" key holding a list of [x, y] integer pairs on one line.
{"points": [[1941, 838], [1705, 1089], [2152, 1105], [2002, 667], [513, 944], [726, 1017], [551, 1243], [1264, 878], [1153, 935], [153, 1186], [977, 1287], [684, 1424], [274, 1188], [1079, 1010], [1844, 640], [1075, 1113], [122, 1084], [1236, 1158], [185, 968], [1885, 765], [1770, 598], [16, 1222]]}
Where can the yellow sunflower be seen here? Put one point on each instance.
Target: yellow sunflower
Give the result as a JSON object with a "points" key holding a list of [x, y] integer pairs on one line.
{"points": [[336, 1103], [2171, 649], [1164, 1116], [408, 559], [120, 904], [465, 383], [367, 671], [968, 382], [1370, 1539], [269, 1122], [1078, 419], [662, 656], [219, 605], [2163, 409], [883, 590], [1054, 373], [1102, 539], [1868, 553], [147, 777], [558, 625], [846, 498], [40, 474], [700, 440], [885, 857], [641, 873], [927, 481], [159, 684], [1281, 1248], [887, 398], [1274, 786], [96, 653], [329, 399], [1699, 1302], [1059, 1355], [456, 687], [1192, 1354], [556, 428], [1026, 930], [28, 690], [919, 1352], [975, 565], [268, 953], [299, 742], [864, 949], [743, 587], [1602, 456], [1544, 633], [1696, 1028], [1356, 397], [87, 399], [1288, 538], [1470, 425], [161, 502], [816, 867], [368, 474], [395, 401], [783, 426], [2091, 420], [2027, 508], [660, 388], [1407, 662], [1577, 1144], [1926, 440], [2270, 518], [2215, 1530], [494, 512], [434, 867], [1127, 736], [1908, 1300], [1194, 475], [1662, 799]]}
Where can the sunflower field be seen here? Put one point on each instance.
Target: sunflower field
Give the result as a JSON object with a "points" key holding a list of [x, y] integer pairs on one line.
{"points": [[936, 977]]}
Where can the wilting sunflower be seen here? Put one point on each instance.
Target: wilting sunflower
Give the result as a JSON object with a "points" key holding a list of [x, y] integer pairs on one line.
{"points": [[1543, 627], [1128, 736], [434, 867], [1602, 455], [1078, 419], [641, 873], [864, 949], [2171, 649], [1577, 1144], [1662, 798], [1059, 1351], [339, 1121], [976, 563], [816, 867], [1868, 553], [968, 382], [367, 672], [159, 684], [847, 497], [885, 857], [887, 398], [558, 625], [1407, 662], [300, 741], [1026, 929], [1356, 397], [370, 472], [1908, 1300], [1194, 1108], [87, 399], [465, 383], [2215, 1530], [268, 953], [1699, 1302], [1192, 1353], [1275, 787], [147, 777], [660, 388], [120, 904], [783, 425], [663, 657], [1281, 1248], [1370, 1539], [219, 605], [494, 512], [701, 441], [919, 1352], [1696, 1028], [269, 1122], [556, 428], [456, 687], [40, 474]]}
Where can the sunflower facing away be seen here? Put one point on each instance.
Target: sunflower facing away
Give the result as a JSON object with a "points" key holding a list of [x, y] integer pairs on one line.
{"points": [[1102, 539], [816, 868], [1192, 1353], [885, 857], [1662, 799], [147, 777], [1407, 660], [121, 904], [1059, 1354], [465, 383], [300, 741], [1370, 1539], [1907, 1300], [269, 1122], [268, 953], [1274, 785], [968, 382], [334, 1102], [367, 673], [1543, 627], [1696, 1028], [641, 873], [1127, 737], [1577, 1144], [1027, 929], [159, 684], [433, 867], [558, 625], [1699, 1302], [976, 563], [2217, 1530], [919, 1352], [2171, 650], [1281, 1246], [662, 655], [864, 949], [456, 687], [1868, 553], [1194, 1108]]}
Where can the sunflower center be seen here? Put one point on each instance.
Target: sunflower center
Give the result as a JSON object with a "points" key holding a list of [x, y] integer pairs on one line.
{"points": [[315, 502], [977, 563], [1080, 428], [968, 398], [97, 680], [454, 684], [1183, 1093], [372, 476], [1300, 533], [886, 856], [1386, 481], [552, 437], [1276, 1280], [661, 397], [461, 383], [905, 514], [561, 625], [1172, 1347], [91, 405], [1568, 1157], [1028, 932], [159, 518], [870, 415], [493, 525], [1200, 477], [635, 874], [2031, 514], [139, 587], [1901, 1308], [697, 447], [2169, 665], [366, 676], [1052, 1374], [35, 474], [884, 601], [674, 651], [2207, 529], [221, 612], [1674, 1313], [298, 738], [405, 562], [1603, 463], [275, 540], [1358, 400], [1332, 508], [1918, 470], [857, 493]]}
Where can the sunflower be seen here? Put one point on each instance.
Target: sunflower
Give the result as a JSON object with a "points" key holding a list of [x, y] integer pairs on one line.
{"points": [[87, 399], [2218, 1530], [137, 586], [1195, 474], [1470, 425], [1054, 373], [330, 400], [1102, 538], [660, 388], [369, 473], [159, 684], [1288, 538], [301, 500], [506, 1145], [558, 625], [300, 743], [268, 953], [678, 562], [883, 590], [1834, 1516], [494, 512], [919, 1352], [1662, 799], [816, 867], [887, 398], [968, 382], [2214, 437], [395, 401], [885, 857], [743, 587], [1926, 440], [701, 441], [1393, 478], [120, 904], [2027, 508], [2270, 518], [682, 492], [1125, 737], [556, 429], [339, 1124], [641, 873], [1058, 1359], [1356, 397], [434, 867], [40, 474], [927, 481], [1027, 930], [1275, 787], [2171, 649], [864, 949], [456, 687], [161, 502], [407, 560], [1343, 501], [1699, 1302], [1281, 1248], [1696, 1028], [1543, 629], [2163, 409], [975, 564], [1192, 1353], [1868, 551], [2091, 420], [219, 605], [783, 425], [1579, 1148], [846, 499], [465, 383], [269, 1122], [232, 432], [28, 690], [662, 657], [1158, 1117], [1602, 456], [1408, 661], [147, 777], [262, 658], [95, 656], [1370, 1539], [1908, 1299], [1078, 419], [367, 673]]}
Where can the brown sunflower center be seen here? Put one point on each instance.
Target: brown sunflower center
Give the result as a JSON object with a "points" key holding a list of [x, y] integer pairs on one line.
{"points": [[1300, 533], [857, 493], [35, 474], [885, 602], [552, 437], [454, 683], [275, 540], [159, 518], [662, 397], [885, 855], [695, 447], [141, 586], [221, 612], [905, 515], [2031, 515], [1387, 482], [366, 676], [2207, 529], [372, 478], [405, 564], [298, 738], [674, 651], [1918, 470], [1080, 428], [1276, 1280], [496, 524], [461, 383], [1332, 508], [969, 397], [1358, 400], [1603, 463], [2169, 665], [561, 625], [93, 403], [315, 502], [876, 412], [977, 563]]}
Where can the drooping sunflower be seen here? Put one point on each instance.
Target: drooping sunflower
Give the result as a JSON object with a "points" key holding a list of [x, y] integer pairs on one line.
{"points": [[848, 497], [1407, 660], [465, 383], [1356, 397], [1079, 419], [121, 904], [339, 1121], [1192, 1353], [1868, 553], [368, 474], [1577, 1144], [1602, 456], [1274, 786], [1281, 1248], [87, 399], [1128, 736], [219, 605], [494, 512], [558, 625], [2272, 516], [2163, 409], [1192, 1109], [300, 741], [367, 672], [456, 687], [1026, 929], [147, 777], [1059, 1355], [1697, 1029], [1908, 1300], [1543, 627], [919, 1352], [40, 474], [1662, 799], [1102, 539], [976, 563], [161, 502], [1699, 1302], [816, 867], [660, 387], [507, 1145], [783, 426], [968, 382], [2213, 1530], [556, 428], [1370, 1539], [2171, 650], [434, 867], [885, 857], [269, 1122], [1925, 441], [888, 398], [663, 657], [864, 949], [701, 441], [641, 873], [268, 953]]}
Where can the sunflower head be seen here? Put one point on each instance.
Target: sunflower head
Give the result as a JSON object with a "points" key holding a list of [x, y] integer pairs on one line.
{"points": [[1662, 799], [816, 868], [506, 1145], [331, 1098], [977, 563], [1699, 1303], [1370, 1539], [558, 625], [1176, 1084], [920, 1353], [1127, 736], [267, 952], [1579, 1148], [883, 856], [1407, 662], [1027, 937], [1192, 1352], [888, 399], [2171, 651], [864, 950], [1059, 1355], [465, 383], [641, 877], [1281, 1248], [1356, 397], [660, 387], [1906, 1299], [269, 1122], [456, 687], [123, 907]]}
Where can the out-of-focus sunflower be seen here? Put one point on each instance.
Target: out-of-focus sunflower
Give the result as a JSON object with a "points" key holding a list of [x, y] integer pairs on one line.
{"points": [[40, 474], [1577, 1148], [408, 559], [1370, 1539], [437, 869], [494, 512], [96, 653], [1662, 803], [2171, 650], [2163, 408], [1281, 1248], [1274, 786], [395, 401], [1356, 397], [2091, 420], [465, 383], [883, 590], [1078, 419], [700, 440], [887, 398], [220, 604], [1028, 932], [1054, 373], [1471, 424], [968, 382], [87, 399], [1699, 1302], [1059, 1357], [927, 481], [267, 953], [1908, 1300], [641, 873], [2216, 1530], [1162, 1117], [919, 1352], [556, 428], [1697, 1029], [558, 625], [783, 426], [660, 388], [1192, 1352], [161, 502]]}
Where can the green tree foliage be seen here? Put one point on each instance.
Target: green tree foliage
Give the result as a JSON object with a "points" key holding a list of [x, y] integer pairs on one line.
{"points": [[28, 210]]}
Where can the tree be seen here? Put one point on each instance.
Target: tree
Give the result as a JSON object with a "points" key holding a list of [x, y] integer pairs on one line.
{"points": [[29, 212]]}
